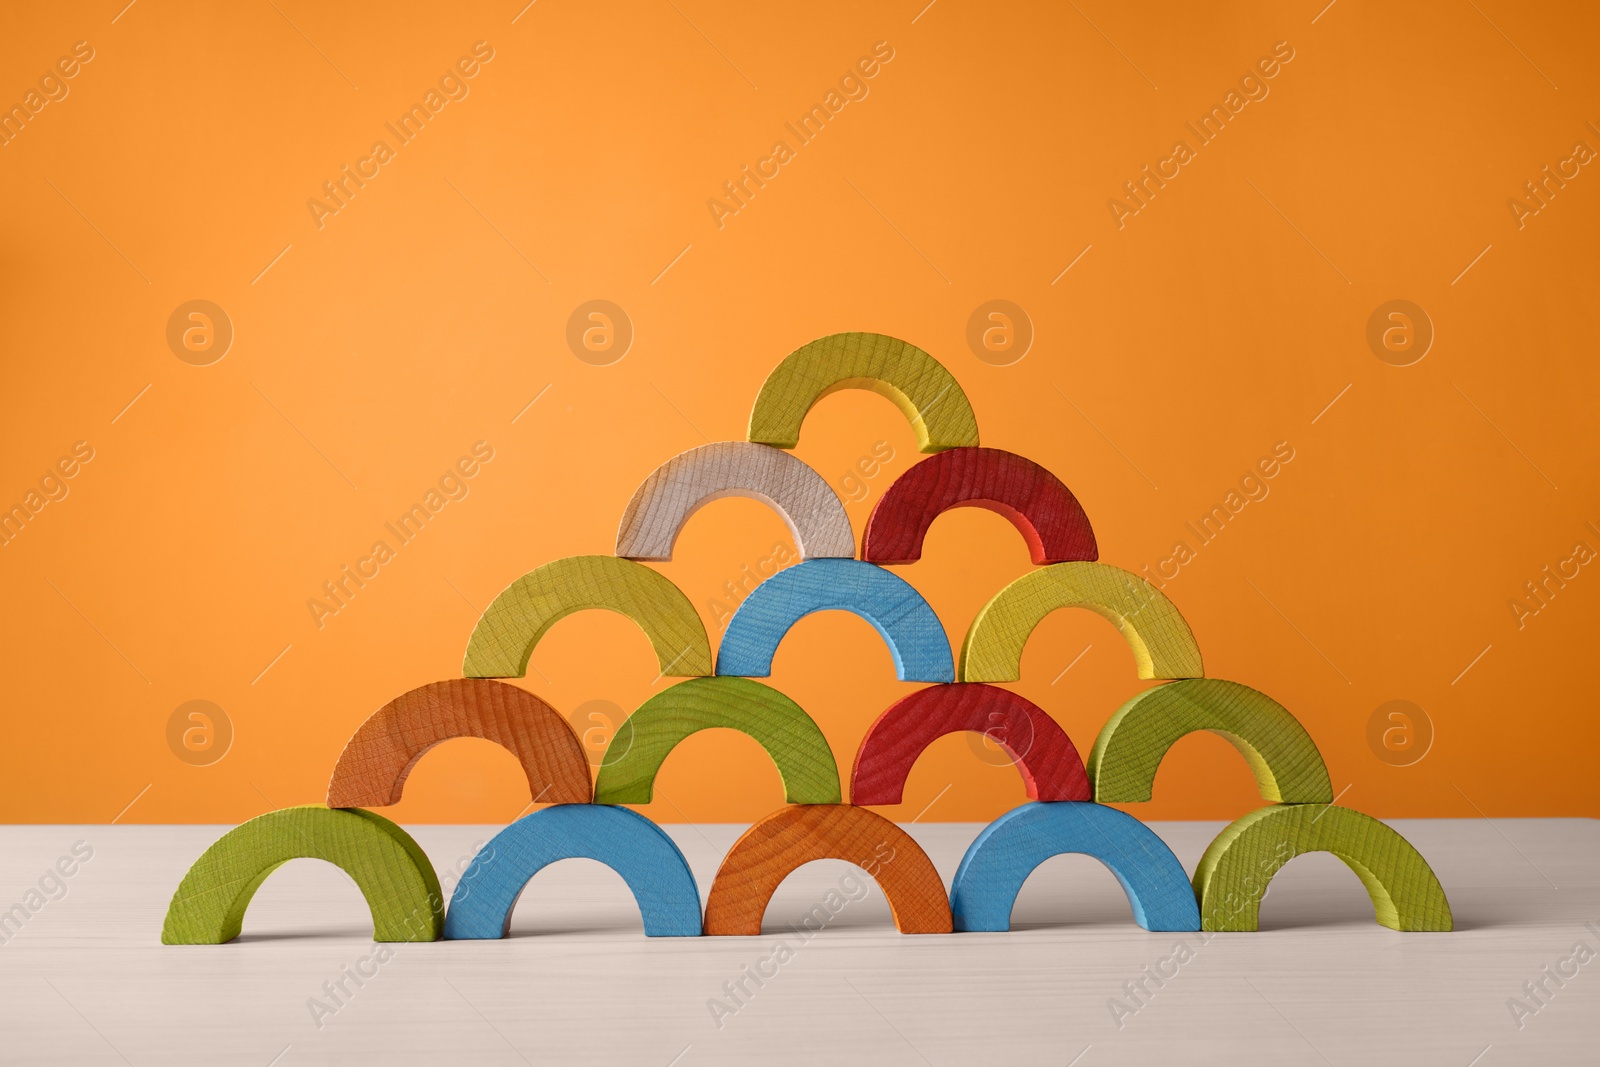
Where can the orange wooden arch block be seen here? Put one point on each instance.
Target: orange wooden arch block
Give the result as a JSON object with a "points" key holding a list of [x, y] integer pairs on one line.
{"points": [[771, 849], [372, 770]]}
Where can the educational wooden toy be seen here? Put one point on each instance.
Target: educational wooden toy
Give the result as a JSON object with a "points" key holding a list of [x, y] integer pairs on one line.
{"points": [[1163, 646], [505, 635], [372, 770], [915, 637], [919, 385], [392, 872], [1067, 810], [1043, 510], [1284, 759], [628, 843], [790, 737], [1043, 753], [1000, 860], [688, 482], [1234, 872], [771, 849]]}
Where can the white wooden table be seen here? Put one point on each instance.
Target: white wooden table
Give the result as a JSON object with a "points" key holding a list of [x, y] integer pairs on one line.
{"points": [[86, 981]]}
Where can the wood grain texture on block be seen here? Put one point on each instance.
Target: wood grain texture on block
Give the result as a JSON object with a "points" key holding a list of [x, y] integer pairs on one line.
{"points": [[1162, 644], [372, 770], [1007, 851], [1039, 748], [627, 842], [779, 725], [771, 849], [507, 632], [392, 872], [687, 482], [904, 620], [924, 391], [1237, 867], [1042, 509], [1287, 765]]}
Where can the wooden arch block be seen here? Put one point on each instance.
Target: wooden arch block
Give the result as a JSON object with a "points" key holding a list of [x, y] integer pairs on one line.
{"points": [[919, 385], [687, 482], [391, 870], [1281, 754], [372, 770], [1237, 867], [1007, 851], [628, 843], [1042, 509], [1041, 750], [1162, 644], [771, 849], [790, 737], [915, 637], [508, 631]]}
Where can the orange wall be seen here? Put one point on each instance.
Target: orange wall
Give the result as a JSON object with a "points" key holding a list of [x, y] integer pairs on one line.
{"points": [[422, 317]]}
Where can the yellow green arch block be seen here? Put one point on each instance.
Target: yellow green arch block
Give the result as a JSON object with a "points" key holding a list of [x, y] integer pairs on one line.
{"points": [[392, 871], [1234, 872], [919, 385], [1287, 765], [1163, 645], [508, 630], [790, 736]]}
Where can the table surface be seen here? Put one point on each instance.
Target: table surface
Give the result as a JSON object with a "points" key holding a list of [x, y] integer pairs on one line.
{"points": [[86, 980]]}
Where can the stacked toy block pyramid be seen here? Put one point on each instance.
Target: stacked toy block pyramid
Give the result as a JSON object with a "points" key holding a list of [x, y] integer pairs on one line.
{"points": [[1068, 811]]}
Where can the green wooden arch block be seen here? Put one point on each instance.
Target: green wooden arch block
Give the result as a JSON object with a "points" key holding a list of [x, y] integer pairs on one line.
{"points": [[1234, 872], [1163, 646], [1281, 754], [508, 630], [924, 391], [391, 870], [790, 736]]}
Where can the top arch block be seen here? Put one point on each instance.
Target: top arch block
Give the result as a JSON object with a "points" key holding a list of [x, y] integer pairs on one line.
{"points": [[918, 384], [690, 480]]}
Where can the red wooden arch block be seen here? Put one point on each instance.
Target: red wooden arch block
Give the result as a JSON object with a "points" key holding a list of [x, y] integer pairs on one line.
{"points": [[1036, 502], [1042, 752]]}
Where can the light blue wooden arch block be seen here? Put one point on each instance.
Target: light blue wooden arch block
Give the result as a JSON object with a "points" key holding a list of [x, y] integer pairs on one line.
{"points": [[916, 640], [628, 843], [1000, 860]]}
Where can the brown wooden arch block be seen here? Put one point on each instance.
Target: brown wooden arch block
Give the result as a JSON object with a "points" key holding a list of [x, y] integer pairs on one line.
{"points": [[372, 770], [771, 849]]}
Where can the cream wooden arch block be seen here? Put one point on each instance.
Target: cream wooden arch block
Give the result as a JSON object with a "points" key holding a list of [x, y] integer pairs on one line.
{"points": [[690, 480]]}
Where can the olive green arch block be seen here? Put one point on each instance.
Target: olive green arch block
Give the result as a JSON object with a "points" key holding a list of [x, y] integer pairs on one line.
{"points": [[1163, 645], [790, 736], [1234, 872], [924, 391], [392, 871], [1281, 754], [507, 632]]}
